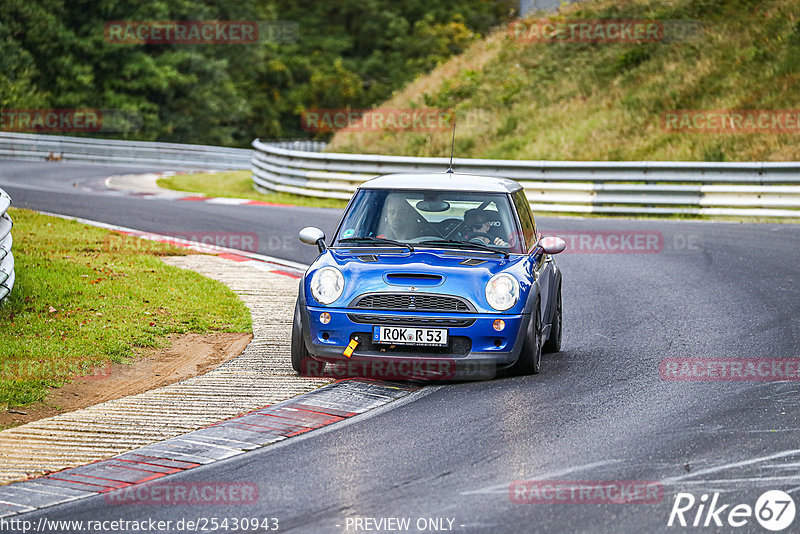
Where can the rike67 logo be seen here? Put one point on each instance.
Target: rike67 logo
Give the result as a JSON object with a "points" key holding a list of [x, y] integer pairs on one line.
{"points": [[774, 510]]}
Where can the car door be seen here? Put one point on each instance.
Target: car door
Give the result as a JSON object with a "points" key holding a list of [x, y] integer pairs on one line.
{"points": [[542, 264]]}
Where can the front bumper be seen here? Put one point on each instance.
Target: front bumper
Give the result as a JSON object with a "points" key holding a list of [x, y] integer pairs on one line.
{"points": [[475, 349]]}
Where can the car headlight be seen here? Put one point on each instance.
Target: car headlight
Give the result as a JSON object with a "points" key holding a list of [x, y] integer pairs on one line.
{"points": [[502, 291], [327, 285]]}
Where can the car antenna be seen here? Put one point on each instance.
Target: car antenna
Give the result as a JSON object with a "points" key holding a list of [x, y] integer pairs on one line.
{"points": [[452, 146]]}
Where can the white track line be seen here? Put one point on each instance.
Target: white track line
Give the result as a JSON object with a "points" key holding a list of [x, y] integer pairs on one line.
{"points": [[672, 480]]}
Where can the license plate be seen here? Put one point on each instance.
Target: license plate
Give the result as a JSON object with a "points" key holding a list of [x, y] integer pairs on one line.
{"points": [[408, 335]]}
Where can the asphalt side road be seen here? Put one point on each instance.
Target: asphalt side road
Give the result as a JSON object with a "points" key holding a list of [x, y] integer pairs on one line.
{"points": [[605, 412]]}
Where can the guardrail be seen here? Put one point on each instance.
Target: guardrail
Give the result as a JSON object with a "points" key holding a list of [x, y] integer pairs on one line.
{"points": [[7, 274], [161, 156], [624, 188]]}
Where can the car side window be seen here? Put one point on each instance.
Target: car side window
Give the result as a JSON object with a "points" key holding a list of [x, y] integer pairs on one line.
{"points": [[525, 219]]}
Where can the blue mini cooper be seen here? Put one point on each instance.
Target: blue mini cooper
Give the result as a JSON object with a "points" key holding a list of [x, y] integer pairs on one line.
{"points": [[430, 276]]}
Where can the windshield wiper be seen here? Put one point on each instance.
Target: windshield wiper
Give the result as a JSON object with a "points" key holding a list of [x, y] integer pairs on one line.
{"points": [[465, 244], [377, 241]]}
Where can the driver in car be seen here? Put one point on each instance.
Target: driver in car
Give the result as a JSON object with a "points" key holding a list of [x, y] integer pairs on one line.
{"points": [[397, 222], [478, 226]]}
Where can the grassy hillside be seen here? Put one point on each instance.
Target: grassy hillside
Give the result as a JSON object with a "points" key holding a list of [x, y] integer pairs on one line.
{"points": [[604, 101]]}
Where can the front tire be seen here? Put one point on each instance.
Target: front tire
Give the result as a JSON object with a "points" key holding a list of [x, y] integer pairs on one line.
{"points": [[530, 359], [553, 343], [302, 362]]}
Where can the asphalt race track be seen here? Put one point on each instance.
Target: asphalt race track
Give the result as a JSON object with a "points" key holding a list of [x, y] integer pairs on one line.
{"points": [[599, 411], [79, 191]]}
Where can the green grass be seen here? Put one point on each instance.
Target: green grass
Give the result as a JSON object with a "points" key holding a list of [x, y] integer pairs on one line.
{"points": [[85, 297], [580, 101], [238, 184]]}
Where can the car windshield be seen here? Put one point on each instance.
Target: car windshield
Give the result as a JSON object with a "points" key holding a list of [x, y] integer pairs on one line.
{"points": [[438, 219]]}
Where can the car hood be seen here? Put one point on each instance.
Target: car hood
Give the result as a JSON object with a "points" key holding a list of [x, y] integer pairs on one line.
{"points": [[444, 272]]}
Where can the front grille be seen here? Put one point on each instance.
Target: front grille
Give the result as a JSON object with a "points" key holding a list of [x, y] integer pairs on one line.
{"points": [[433, 322], [408, 301]]}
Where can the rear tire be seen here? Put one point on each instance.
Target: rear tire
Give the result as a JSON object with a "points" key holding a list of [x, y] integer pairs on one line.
{"points": [[302, 362], [530, 359], [553, 343]]}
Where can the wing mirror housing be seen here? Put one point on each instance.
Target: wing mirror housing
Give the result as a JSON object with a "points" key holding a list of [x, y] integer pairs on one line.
{"points": [[552, 244], [311, 235]]}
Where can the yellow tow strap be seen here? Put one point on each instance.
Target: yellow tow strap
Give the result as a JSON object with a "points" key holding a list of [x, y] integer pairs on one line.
{"points": [[350, 348]]}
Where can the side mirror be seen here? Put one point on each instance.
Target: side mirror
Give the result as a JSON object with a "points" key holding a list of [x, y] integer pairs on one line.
{"points": [[552, 245], [311, 235]]}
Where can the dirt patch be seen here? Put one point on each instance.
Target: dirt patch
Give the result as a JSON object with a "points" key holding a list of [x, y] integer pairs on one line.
{"points": [[188, 355]]}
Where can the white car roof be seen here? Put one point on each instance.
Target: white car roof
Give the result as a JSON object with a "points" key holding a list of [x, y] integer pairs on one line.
{"points": [[443, 181]]}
